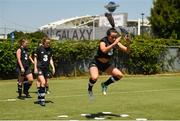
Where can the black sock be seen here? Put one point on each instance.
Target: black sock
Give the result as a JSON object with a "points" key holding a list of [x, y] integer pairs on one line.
{"points": [[20, 90], [29, 86], [25, 85], [111, 80], [91, 84], [38, 92], [41, 94], [47, 88]]}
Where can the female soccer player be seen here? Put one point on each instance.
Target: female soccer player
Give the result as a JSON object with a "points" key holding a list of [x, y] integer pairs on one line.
{"points": [[101, 61], [42, 60], [23, 67]]}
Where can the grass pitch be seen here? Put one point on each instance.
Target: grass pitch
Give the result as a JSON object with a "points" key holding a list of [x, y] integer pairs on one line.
{"points": [[150, 97]]}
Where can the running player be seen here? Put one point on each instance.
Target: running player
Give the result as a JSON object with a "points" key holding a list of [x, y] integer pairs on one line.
{"points": [[101, 61]]}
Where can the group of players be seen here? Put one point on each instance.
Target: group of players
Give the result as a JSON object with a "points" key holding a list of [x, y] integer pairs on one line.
{"points": [[43, 58]]}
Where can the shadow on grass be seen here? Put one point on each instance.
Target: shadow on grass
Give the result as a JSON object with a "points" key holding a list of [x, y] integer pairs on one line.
{"points": [[47, 101], [33, 92], [102, 115]]}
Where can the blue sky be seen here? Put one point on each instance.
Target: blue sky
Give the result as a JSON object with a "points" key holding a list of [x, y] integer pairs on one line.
{"points": [[28, 15]]}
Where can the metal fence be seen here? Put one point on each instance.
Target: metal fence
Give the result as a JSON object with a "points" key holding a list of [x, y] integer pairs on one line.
{"points": [[172, 59]]}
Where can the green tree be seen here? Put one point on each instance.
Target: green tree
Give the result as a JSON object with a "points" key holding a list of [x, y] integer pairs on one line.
{"points": [[34, 35], [37, 35], [165, 18]]}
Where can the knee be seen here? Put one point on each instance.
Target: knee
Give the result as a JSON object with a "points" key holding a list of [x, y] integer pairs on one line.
{"points": [[94, 78], [42, 83], [30, 78], [118, 77]]}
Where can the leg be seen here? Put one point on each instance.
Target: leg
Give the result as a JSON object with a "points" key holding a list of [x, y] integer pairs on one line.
{"points": [[38, 84], [94, 73], [20, 81], [41, 91], [46, 76], [29, 84], [47, 86], [116, 75], [25, 86]]}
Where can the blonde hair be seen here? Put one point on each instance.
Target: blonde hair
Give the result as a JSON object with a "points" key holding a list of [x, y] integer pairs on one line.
{"points": [[44, 40], [21, 41]]}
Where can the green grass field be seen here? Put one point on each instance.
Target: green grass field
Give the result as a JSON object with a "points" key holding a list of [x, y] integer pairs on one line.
{"points": [[150, 97]]}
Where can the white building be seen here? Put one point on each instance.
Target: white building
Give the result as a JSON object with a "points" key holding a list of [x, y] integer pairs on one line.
{"points": [[90, 27], [3, 36]]}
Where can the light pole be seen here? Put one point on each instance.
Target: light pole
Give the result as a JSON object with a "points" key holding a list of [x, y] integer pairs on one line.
{"points": [[94, 19], [142, 27]]}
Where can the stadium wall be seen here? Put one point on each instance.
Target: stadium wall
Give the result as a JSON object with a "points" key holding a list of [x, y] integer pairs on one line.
{"points": [[82, 33]]}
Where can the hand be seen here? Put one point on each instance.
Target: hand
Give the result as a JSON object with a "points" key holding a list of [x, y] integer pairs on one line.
{"points": [[22, 70], [117, 40], [35, 71]]}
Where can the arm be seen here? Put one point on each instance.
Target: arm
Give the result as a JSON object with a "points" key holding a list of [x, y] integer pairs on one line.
{"points": [[35, 61], [35, 65], [108, 48], [30, 58], [52, 65], [125, 48], [18, 55]]}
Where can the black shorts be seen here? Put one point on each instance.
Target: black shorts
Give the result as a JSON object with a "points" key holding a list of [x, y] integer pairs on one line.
{"points": [[101, 66], [44, 71], [27, 71]]}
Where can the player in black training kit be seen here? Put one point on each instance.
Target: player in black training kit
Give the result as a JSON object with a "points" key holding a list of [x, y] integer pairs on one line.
{"points": [[42, 60], [23, 67], [101, 61]]}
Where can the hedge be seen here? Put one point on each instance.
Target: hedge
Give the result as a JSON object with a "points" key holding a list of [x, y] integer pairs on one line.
{"points": [[146, 55]]}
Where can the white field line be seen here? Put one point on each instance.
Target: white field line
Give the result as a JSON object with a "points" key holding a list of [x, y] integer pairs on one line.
{"points": [[85, 94]]}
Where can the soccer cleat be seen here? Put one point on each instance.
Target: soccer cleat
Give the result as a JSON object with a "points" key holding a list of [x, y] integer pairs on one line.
{"points": [[104, 89], [47, 92], [90, 93], [21, 97], [28, 95]]}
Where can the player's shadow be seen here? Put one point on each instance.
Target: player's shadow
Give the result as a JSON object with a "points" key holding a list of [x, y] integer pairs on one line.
{"points": [[47, 101], [102, 115], [21, 98], [34, 92]]}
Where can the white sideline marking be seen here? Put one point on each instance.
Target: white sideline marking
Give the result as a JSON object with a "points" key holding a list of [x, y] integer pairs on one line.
{"points": [[84, 94], [85, 114], [124, 115], [63, 116], [141, 119], [10, 100]]}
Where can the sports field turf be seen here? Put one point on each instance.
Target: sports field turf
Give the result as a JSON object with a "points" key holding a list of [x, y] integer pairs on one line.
{"points": [[150, 97]]}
